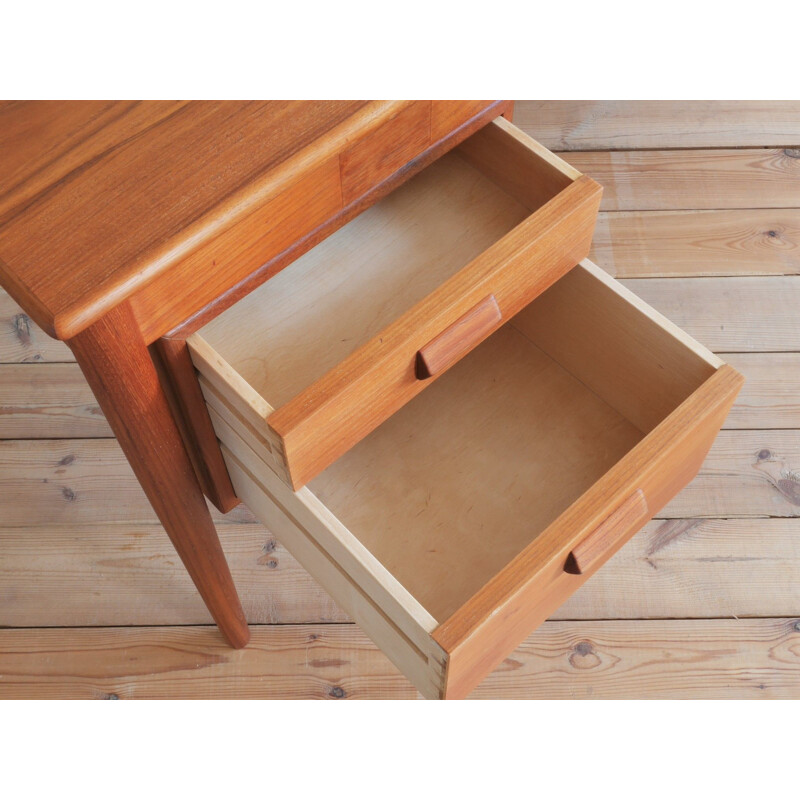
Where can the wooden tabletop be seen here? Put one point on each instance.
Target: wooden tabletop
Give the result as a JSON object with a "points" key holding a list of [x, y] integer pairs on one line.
{"points": [[98, 199]]}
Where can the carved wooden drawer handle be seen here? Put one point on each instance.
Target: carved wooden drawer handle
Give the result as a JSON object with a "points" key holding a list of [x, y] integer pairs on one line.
{"points": [[613, 530], [455, 341]]}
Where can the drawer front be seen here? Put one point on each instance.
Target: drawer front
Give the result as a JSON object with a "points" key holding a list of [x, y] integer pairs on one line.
{"points": [[339, 408], [385, 150]]}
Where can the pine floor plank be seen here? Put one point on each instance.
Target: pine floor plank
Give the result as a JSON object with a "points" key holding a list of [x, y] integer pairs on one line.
{"points": [[129, 575], [649, 660], [74, 482], [729, 315], [661, 180], [48, 401], [87, 481], [663, 244], [53, 401], [746, 473], [770, 397], [22, 340], [687, 568], [659, 124], [288, 662], [758, 658]]}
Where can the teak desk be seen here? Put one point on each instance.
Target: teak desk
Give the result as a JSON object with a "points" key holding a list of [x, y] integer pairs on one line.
{"points": [[133, 231]]}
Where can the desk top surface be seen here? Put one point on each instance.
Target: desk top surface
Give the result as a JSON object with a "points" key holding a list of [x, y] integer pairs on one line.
{"points": [[99, 198]]}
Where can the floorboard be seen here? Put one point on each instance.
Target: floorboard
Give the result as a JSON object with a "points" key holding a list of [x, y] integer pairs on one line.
{"points": [[659, 124], [754, 659], [105, 575], [668, 244], [661, 180]]}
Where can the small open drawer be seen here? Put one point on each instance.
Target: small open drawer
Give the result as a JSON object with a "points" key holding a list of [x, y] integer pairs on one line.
{"points": [[459, 524], [325, 351]]}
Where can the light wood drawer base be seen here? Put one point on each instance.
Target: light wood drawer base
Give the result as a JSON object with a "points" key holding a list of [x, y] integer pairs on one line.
{"points": [[466, 518]]}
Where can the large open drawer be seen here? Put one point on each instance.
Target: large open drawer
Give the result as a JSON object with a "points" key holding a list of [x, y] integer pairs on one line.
{"points": [[460, 523]]}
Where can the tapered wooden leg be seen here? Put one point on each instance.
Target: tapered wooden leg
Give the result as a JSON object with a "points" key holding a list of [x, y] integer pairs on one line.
{"points": [[115, 360]]}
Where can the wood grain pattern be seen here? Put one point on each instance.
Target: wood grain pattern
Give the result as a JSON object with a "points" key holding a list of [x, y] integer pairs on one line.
{"points": [[55, 402], [385, 149], [292, 212], [770, 397], [733, 659], [697, 568], [127, 210], [747, 473], [733, 315], [280, 230], [189, 177], [330, 661], [74, 482], [663, 244], [448, 115], [48, 401], [659, 124], [23, 341], [115, 360], [676, 567], [274, 265], [51, 140], [128, 574], [661, 180], [85, 482]]}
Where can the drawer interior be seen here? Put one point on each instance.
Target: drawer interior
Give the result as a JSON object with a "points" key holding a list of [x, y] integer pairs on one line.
{"points": [[459, 481], [306, 320]]}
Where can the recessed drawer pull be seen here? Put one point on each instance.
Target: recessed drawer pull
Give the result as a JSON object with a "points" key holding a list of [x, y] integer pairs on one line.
{"points": [[455, 341], [614, 529]]}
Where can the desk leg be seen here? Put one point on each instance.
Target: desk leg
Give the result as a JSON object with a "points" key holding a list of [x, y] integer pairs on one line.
{"points": [[116, 362]]}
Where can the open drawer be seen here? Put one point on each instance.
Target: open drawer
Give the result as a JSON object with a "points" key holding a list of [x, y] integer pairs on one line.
{"points": [[325, 351], [466, 518]]}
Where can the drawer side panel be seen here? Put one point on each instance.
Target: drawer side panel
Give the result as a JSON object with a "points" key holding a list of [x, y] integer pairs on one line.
{"points": [[425, 672]]}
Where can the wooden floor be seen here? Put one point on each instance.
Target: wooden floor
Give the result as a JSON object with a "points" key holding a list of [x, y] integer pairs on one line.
{"points": [[701, 218]]}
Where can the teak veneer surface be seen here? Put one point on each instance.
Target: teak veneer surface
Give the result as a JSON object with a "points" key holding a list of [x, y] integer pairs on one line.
{"points": [[99, 199]]}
